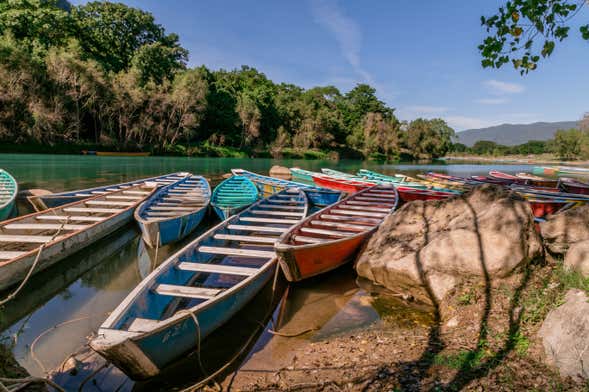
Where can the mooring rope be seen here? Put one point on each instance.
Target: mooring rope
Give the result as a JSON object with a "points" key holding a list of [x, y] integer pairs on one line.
{"points": [[33, 266]]}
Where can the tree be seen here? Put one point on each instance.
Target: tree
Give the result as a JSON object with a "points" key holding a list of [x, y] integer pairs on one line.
{"points": [[188, 100], [155, 62], [519, 24], [429, 138], [249, 114], [569, 143], [358, 102], [112, 33]]}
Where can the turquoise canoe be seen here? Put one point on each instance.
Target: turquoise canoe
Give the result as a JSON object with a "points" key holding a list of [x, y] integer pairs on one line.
{"points": [[233, 195], [8, 191], [303, 175]]}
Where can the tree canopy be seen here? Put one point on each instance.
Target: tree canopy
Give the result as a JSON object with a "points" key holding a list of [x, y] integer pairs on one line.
{"points": [[525, 31]]}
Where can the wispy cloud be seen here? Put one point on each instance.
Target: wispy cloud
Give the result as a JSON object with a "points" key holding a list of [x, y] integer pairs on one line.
{"points": [[499, 87], [328, 14], [414, 111], [492, 101], [460, 123]]}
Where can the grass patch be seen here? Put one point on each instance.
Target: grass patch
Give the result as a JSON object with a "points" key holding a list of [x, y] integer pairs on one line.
{"points": [[465, 359], [468, 297]]}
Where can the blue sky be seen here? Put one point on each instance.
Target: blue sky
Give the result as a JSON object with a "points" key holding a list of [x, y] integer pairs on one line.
{"points": [[421, 56]]}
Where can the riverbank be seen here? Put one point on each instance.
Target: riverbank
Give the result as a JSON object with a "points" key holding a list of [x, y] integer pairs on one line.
{"points": [[410, 349], [543, 159]]}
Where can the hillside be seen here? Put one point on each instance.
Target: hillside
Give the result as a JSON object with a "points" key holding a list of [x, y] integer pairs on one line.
{"points": [[514, 134]]}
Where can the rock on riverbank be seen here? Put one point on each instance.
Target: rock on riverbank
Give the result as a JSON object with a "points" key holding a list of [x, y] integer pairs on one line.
{"points": [[428, 248], [562, 230]]}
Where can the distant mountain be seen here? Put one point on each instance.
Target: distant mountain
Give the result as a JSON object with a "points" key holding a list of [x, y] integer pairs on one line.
{"points": [[514, 134]]}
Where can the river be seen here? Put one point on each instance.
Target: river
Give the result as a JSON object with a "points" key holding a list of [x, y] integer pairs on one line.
{"points": [[62, 306]]}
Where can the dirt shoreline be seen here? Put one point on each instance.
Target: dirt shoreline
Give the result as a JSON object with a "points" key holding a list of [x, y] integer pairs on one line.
{"points": [[519, 159]]}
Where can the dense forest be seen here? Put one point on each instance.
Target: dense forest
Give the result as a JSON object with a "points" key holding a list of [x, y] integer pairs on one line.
{"points": [[106, 76]]}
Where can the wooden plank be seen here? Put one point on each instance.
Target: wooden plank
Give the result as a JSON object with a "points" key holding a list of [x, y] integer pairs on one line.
{"points": [[268, 220], [246, 238], [279, 213], [37, 239], [237, 252], [342, 211], [186, 291], [217, 269], [163, 214], [93, 210], [370, 203], [283, 201], [351, 218], [386, 195], [71, 218], [9, 255], [164, 208], [109, 203], [43, 226], [100, 192], [310, 240], [83, 194], [280, 207], [365, 208], [142, 325], [366, 198], [143, 193], [333, 233], [264, 229], [119, 197]]}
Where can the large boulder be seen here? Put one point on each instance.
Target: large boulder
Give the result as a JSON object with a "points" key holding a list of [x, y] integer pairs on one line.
{"points": [[428, 248], [577, 257], [280, 172], [562, 230], [565, 336]]}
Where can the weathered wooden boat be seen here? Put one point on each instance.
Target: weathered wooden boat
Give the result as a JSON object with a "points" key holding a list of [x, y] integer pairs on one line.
{"points": [[8, 192], [410, 182], [547, 170], [341, 184], [44, 202], [574, 186], [270, 185], [332, 237], [411, 194], [199, 288], [506, 178], [302, 175], [174, 211], [490, 180], [233, 195], [372, 175], [49, 236], [537, 180]]}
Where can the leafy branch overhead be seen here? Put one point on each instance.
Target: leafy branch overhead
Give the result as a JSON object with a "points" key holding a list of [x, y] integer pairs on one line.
{"points": [[525, 31]]}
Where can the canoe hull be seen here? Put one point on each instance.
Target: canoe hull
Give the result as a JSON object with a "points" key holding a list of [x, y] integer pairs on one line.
{"points": [[160, 233], [299, 263], [13, 273], [340, 185], [147, 355]]}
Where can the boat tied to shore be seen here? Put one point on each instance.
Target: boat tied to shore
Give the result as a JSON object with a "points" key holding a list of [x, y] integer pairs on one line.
{"points": [[233, 195], [174, 211], [31, 243], [199, 288], [333, 236], [8, 192]]}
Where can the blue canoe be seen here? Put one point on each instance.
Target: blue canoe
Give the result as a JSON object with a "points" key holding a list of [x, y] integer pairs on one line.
{"points": [[44, 202], [199, 288], [233, 195], [174, 211], [270, 185], [8, 191]]}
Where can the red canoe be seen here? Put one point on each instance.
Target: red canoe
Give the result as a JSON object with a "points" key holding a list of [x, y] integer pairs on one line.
{"points": [[332, 237], [574, 186], [340, 184], [506, 178], [541, 208], [410, 194], [537, 180]]}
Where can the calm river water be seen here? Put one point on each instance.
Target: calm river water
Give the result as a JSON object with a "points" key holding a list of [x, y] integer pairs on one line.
{"points": [[62, 306]]}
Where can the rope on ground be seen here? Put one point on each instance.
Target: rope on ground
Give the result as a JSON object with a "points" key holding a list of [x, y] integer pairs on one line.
{"points": [[292, 335], [35, 380], [157, 246], [198, 338], [11, 296]]}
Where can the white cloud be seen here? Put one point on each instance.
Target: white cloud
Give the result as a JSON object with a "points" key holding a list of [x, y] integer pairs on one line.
{"points": [[460, 123], [492, 101], [346, 32], [414, 111], [499, 87]]}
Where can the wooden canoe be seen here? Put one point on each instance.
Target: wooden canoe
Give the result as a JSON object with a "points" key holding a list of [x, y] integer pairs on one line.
{"points": [[8, 192], [303, 175], [537, 180], [341, 184], [506, 178], [64, 230], [44, 202], [199, 288], [233, 195], [571, 185], [332, 237], [269, 185], [174, 211], [411, 194]]}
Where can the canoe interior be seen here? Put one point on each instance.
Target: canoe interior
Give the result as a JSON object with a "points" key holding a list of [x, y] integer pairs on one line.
{"points": [[8, 191], [233, 195], [252, 232]]}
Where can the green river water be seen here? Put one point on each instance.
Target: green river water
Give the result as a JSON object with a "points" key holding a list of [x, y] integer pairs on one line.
{"points": [[59, 308]]}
